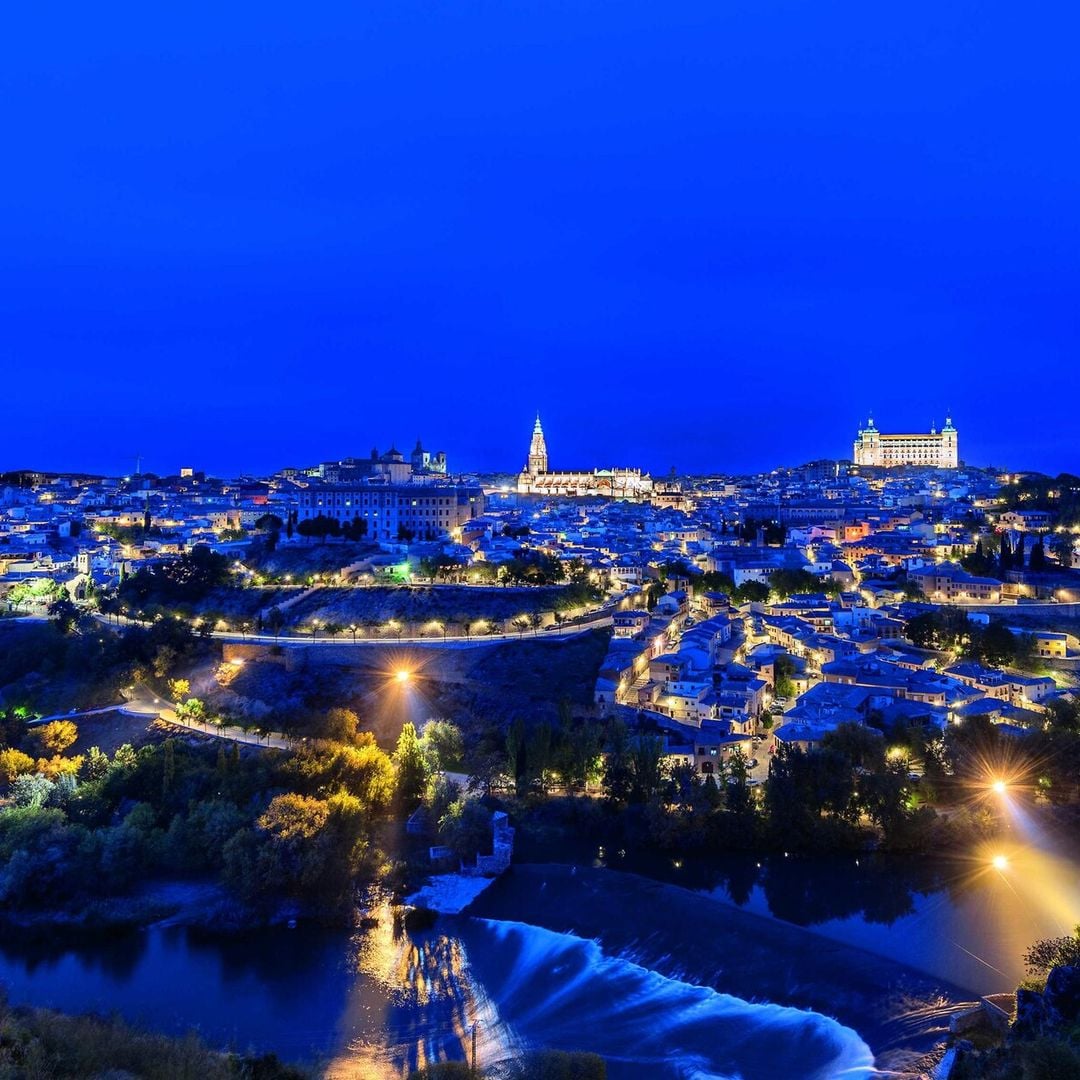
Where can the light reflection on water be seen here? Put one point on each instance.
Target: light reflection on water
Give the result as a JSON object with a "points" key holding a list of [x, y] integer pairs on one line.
{"points": [[379, 1003], [428, 1007]]}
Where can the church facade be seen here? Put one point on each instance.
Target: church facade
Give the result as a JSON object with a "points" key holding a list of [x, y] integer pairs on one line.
{"points": [[537, 479], [932, 450]]}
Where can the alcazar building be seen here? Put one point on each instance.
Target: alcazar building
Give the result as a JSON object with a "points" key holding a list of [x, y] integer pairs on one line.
{"points": [[933, 450]]}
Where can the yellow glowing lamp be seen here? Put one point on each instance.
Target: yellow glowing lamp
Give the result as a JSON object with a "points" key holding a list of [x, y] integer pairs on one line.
{"points": [[999, 786], [402, 675], [1000, 862]]}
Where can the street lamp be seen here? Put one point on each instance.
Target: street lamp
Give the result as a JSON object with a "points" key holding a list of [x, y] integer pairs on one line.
{"points": [[402, 675]]}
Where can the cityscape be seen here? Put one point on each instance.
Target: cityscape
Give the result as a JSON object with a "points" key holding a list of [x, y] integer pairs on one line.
{"points": [[540, 544], [836, 667]]}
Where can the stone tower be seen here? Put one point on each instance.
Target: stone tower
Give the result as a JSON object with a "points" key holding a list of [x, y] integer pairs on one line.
{"points": [[950, 449], [867, 449], [538, 455]]}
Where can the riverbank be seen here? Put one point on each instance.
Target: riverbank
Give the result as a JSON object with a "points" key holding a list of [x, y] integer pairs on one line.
{"points": [[201, 905], [900, 1013]]}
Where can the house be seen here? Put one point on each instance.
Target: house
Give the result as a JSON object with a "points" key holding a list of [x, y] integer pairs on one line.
{"points": [[1046, 643], [1026, 520], [948, 582], [630, 624]]}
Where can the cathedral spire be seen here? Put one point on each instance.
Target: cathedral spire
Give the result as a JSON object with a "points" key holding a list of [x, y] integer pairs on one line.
{"points": [[538, 455]]}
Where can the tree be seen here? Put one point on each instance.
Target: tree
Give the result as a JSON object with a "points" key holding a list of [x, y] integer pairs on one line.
{"points": [[168, 767], [179, 688], [862, 747], [996, 644], [14, 763], [1064, 714], [268, 523], [443, 744], [55, 737], [1037, 559], [275, 620], [356, 529], [515, 753], [1062, 545], [646, 758], [751, 592], [578, 752], [538, 755], [319, 527], [783, 670], [1048, 953], [367, 772], [466, 828], [97, 763], [980, 562], [737, 782], [787, 583], [411, 766], [187, 579], [340, 725], [618, 770], [30, 790], [192, 711], [1004, 559], [66, 614]]}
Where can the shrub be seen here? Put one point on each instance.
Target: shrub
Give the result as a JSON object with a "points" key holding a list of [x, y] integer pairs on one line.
{"points": [[13, 763]]}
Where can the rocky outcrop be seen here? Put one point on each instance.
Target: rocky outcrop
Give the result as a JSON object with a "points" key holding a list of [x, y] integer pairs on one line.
{"points": [[1053, 1011]]}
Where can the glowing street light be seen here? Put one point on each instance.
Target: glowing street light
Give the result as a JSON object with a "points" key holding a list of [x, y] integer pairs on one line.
{"points": [[999, 787], [1000, 862], [402, 675]]}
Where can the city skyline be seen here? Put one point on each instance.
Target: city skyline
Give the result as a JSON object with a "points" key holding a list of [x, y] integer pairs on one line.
{"points": [[242, 245], [540, 540], [462, 461]]}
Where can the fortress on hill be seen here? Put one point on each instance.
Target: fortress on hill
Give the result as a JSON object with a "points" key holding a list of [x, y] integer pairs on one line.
{"points": [[934, 450]]}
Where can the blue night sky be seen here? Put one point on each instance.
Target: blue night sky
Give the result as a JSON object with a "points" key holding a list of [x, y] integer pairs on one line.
{"points": [[709, 235]]}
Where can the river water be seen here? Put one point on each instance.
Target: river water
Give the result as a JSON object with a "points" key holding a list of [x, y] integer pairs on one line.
{"points": [[374, 1003]]}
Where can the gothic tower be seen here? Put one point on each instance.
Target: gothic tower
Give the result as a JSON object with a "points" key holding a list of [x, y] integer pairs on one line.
{"points": [[538, 455]]}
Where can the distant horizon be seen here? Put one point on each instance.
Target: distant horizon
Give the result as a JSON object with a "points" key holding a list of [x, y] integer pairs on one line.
{"points": [[462, 465], [696, 235]]}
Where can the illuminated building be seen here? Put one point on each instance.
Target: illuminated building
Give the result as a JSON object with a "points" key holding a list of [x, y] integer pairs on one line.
{"points": [[934, 450], [427, 511], [537, 479]]}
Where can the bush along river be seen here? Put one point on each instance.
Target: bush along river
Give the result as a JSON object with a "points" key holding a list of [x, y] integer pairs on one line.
{"points": [[713, 972]]}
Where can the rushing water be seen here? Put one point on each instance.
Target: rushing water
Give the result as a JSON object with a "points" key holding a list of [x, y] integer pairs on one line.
{"points": [[374, 1003]]}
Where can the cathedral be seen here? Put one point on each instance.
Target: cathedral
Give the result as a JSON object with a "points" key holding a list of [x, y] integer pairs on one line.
{"points": [[537, 479]]}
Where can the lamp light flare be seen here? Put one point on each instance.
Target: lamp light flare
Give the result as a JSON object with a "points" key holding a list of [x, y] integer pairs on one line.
{"points": [[999, 786], [999, 862], [402, 675]]}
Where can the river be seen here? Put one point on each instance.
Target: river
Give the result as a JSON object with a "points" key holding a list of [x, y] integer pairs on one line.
{"points": [[670, 978]]}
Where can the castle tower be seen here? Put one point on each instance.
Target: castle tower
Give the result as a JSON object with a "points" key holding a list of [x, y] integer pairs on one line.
{"points": [[950, 450], [538, 455], [866, 450]]}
